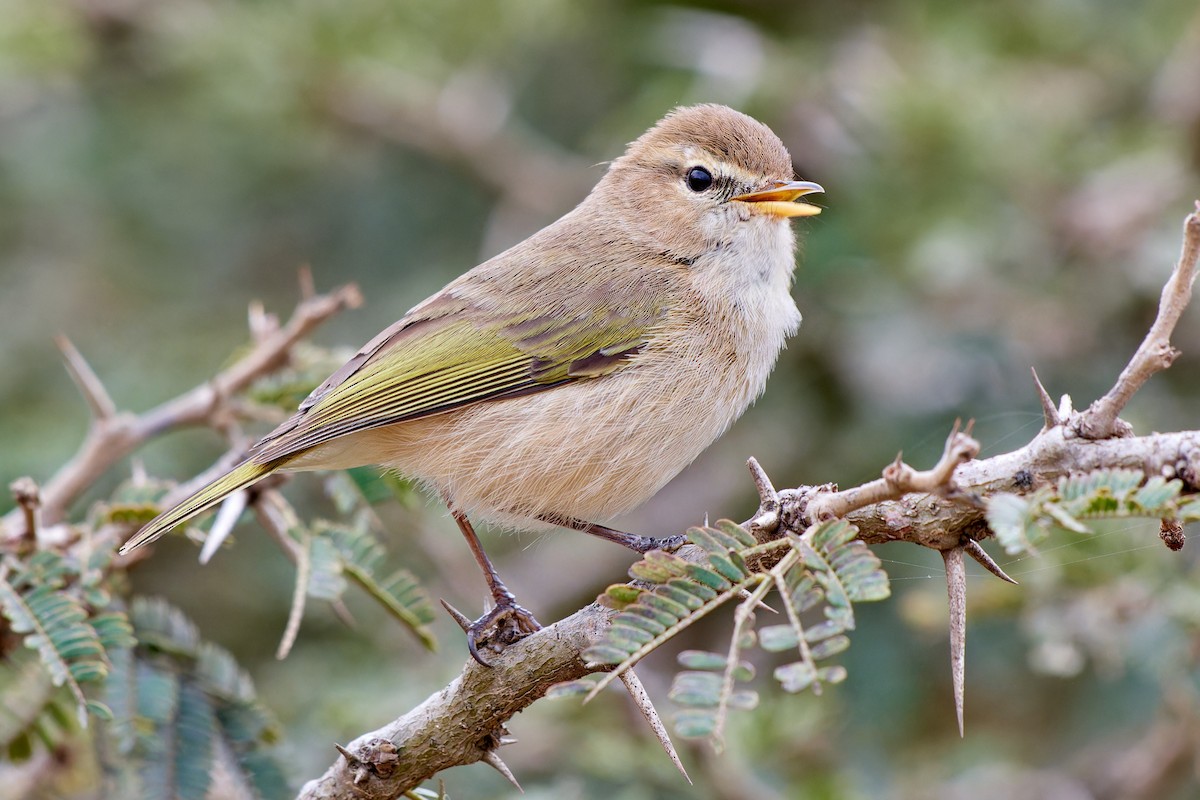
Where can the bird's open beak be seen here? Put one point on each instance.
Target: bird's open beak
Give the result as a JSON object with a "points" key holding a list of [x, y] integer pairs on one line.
{"points": [[782, 199]]}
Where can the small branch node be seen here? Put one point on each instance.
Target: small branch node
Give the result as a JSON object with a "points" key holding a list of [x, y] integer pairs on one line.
{"points": [[262, 324], [895, 476], [29, 498], [375, 758], [766, 521], [361, 774], [793, 505], [899, 479], [961, 447], [348, 296]]}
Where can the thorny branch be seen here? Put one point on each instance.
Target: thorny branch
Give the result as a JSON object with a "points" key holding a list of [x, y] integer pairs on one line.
{"points": [[113, 435], [464, 722], [900, 479], [923, 519]]}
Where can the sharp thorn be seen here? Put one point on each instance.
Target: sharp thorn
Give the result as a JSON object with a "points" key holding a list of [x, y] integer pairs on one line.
{"points": [[308, 289], [261, 323], [641, 699], [457, 616], [342, 612], [768, 498], [956, 592], [89, 384], [766, 519], [745, 595], [492, 760], [976, 551], [1049, 411]]}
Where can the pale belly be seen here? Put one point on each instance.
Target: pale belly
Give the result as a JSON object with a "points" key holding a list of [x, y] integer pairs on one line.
{"points": [[590, 450]]}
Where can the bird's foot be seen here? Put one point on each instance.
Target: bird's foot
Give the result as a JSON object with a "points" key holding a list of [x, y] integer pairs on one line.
{"points": [[506, 623], [638, 544], [668, 543]]}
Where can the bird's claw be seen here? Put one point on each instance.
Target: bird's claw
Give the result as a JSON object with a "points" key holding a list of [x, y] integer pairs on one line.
{"points": [[672, 543], [504, 624]]}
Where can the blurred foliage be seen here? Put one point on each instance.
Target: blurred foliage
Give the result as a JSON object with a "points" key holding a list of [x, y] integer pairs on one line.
{"points": [[168, 712], [1005, 183], [1019, 522]]}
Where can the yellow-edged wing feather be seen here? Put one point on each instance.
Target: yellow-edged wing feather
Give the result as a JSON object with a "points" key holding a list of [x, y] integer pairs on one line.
{"points": [[445, 354]]}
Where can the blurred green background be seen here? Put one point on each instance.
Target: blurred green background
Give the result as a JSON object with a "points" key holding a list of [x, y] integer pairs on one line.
{"points": [[1005, 185]]}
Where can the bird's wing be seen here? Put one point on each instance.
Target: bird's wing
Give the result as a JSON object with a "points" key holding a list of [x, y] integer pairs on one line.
{"points": [[449, 352]]}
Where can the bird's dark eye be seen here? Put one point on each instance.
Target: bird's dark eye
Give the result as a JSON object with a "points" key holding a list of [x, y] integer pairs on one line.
{"points": [[699, 179]]}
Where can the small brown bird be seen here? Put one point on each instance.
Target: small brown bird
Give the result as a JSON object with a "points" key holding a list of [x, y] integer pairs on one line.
{"points": [[567, 379]]}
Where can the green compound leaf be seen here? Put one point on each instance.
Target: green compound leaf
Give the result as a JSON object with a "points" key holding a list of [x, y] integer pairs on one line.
{"points": [[684, 593], [55, 624], [707, 690], [701, 659], [1019, 522], [1157, 493], [178, 703], [326, 580], [1011, 519], [777, 638], [825, 568], [828, 567], [362, 561]]}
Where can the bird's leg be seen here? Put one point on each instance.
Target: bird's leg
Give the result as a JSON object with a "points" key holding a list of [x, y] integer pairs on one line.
{"points": [[506, 622], [638, 544]]}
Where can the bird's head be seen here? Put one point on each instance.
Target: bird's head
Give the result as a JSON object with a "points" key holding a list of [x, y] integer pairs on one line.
{"points": [[701, 179]]}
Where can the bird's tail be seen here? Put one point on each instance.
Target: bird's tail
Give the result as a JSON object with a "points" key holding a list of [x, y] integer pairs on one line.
{"points": [[241, 476]]}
